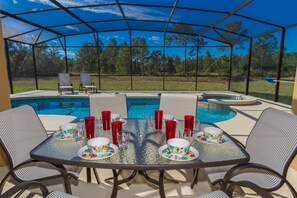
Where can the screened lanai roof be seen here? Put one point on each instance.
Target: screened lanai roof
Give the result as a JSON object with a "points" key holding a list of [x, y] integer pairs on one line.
{"points": [[36, 21]]}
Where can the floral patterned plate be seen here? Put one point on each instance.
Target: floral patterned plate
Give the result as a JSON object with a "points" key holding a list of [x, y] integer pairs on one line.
{"points": [[191, 155], [60, 136], [200, 137], [86, 154]]}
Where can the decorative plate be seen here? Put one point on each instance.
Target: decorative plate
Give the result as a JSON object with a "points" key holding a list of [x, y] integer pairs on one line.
{"points": [[200, 137], [191, 155], [123, 121], [59, 136], [86, 154]]}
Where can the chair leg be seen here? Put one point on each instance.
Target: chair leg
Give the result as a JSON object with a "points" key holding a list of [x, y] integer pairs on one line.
{"points": [[67, 183], [19, 193]]}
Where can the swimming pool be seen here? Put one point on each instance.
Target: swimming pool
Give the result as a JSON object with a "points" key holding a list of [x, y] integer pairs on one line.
{"points": [[137, 107]]}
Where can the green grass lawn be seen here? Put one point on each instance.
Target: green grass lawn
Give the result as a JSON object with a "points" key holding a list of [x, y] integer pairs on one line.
{"points": [[124, 83], [258, 88], [263, 89]]}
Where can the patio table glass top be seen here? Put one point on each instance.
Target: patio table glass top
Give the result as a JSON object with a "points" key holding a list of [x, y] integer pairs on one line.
{"points": [[142, 152]]}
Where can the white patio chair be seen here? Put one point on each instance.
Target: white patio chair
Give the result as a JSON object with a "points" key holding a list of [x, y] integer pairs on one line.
{"points": [[86, 83], [272, 145], [115, 103], [215, 194], [179, 105], [20, 188], [20, 131], [221, 194], [65, 83]]}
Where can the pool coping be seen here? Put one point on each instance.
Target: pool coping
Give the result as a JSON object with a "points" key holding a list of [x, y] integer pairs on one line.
{"points": [[247, 100]]}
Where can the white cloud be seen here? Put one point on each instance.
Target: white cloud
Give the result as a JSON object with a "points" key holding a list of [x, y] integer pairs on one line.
{"points": [[154, 38], [70, 54], [15, 2], [144, 13], [135, 12], [72, 28], [34, 9]]}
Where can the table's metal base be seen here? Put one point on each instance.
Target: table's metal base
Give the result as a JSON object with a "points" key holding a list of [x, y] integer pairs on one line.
{"points": [[117, 182], [89, 175], [195, 177]]}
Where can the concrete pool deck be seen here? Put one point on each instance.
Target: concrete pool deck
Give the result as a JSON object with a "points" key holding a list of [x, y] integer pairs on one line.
{"points": [[239, 127]]}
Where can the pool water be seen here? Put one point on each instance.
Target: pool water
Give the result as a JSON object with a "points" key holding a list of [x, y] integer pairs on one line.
{"points": [[137, 108]]}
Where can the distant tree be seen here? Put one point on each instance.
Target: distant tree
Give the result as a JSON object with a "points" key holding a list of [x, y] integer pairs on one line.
{"points": [[236, 27], [264, 63], [109, 56], [206, 64], [140, 54], [122, 62], [21, 62], [155, 62], [289, 64], [170, 66], [87, 57], [186, 39], [49, 61]]}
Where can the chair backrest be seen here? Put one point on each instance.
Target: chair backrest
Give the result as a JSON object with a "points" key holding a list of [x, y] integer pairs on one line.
{"points": [[64, 79], [85, 79], [273, 140], [20, 131], [179, 105], [114, 103]]}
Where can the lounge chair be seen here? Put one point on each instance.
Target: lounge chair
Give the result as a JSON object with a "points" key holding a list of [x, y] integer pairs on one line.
{"points": [[65, 83], [179, 105], [115, 103], [272, 145], [20, 131], [86, 84]]}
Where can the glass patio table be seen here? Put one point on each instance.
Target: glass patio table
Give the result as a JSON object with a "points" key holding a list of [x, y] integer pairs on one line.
{"points": [[142, 153]]}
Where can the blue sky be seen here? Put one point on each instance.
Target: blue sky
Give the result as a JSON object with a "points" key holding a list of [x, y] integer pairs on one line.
{"points": [[286, 16]]}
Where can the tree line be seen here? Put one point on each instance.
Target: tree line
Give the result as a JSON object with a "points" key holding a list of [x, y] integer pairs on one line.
{"points": [[121, 59]]}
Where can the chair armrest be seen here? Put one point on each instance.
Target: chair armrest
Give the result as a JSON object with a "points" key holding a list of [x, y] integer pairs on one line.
{"points": [[236, 170], [24, 186], [60, 168], [250, 185]]}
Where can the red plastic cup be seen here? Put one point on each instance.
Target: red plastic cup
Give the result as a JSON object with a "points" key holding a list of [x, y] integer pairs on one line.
{"points": [[116, 128], [158, 119], [170, 129], [90, 126], [106, 120], [189, 122]]}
